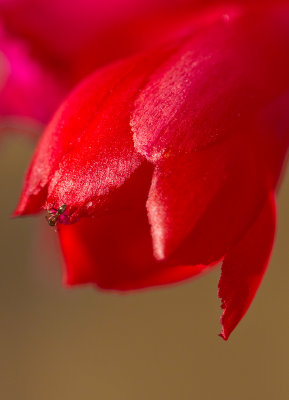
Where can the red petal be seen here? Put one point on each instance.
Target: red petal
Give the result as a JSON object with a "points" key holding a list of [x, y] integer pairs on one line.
{"points": [[214, 193], [244, 267], [114, 251], [274, 125], [182, 189], [63, 133], [88, 149], [197, 124], [214, 83]]}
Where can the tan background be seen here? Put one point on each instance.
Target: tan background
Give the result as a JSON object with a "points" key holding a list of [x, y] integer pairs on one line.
{"points": [[82, 344]]}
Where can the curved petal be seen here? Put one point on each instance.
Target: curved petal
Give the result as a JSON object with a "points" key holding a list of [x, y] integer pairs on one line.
{"points": [[88, 150], [244, 267], [201, 128], [182, 189], [219, 190], [114, 250], [214, 83]]}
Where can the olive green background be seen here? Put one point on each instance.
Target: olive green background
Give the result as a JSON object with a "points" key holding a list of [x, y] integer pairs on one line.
{"points": [[76, 344]]}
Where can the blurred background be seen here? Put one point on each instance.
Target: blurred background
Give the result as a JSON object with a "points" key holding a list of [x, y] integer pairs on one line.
{"points": [[76, 344]]}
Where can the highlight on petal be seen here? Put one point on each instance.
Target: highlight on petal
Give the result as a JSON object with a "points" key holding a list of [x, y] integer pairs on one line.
{"points": [[197, 123], [244, 267], [114, 250], [212, 84], [165, 160], [88, 150], [182, 188]]}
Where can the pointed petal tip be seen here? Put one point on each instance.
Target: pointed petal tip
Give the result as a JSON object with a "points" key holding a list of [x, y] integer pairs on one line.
{"points": [[223, 336], [70, 283], [18, 211], [23, 212], [244, 267], [225, 332], [31, 202], [15, 214], [71, 280], [18, 214]]}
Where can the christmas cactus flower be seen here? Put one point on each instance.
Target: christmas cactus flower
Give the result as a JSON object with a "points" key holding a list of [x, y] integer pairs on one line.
{"points": [[159, 166]]}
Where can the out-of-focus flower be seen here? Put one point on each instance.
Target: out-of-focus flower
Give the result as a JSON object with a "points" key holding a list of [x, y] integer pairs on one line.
{"points": [[26, 90], [47, 47], [167, 161]]}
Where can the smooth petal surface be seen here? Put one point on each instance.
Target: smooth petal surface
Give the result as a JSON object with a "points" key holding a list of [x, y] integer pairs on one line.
{"points": [[232, 177], [105, 251], [114, 251], [244, 267], [182, 189], [212, 200]]}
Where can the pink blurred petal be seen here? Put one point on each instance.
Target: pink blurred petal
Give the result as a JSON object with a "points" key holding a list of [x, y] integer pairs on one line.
{"points": [[26, 89]]}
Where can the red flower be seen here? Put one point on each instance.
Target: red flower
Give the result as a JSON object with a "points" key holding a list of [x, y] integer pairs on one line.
{"points": [[167, 162]]}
